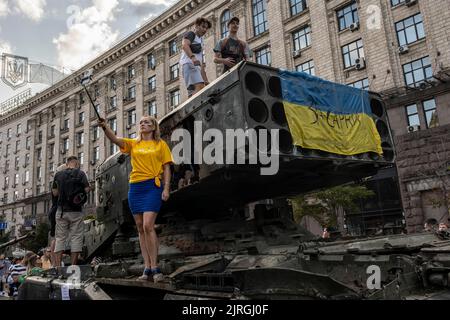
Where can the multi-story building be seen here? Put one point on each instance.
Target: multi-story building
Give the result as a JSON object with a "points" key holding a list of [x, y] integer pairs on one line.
{"points": [[396, 47]]}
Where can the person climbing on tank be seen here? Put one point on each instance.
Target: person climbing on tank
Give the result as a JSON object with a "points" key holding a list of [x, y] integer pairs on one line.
{"points": [[150, 159]]}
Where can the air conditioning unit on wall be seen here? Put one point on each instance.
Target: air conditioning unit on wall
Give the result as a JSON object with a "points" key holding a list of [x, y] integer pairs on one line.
{"points": [[413, 128], [403, 49]]}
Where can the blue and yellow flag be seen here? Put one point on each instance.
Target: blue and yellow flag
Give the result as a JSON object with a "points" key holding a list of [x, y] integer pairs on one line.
{"points": [[328, 116]]}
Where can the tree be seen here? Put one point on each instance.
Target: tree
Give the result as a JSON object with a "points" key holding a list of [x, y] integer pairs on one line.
{"points": [[39, 240], [324, 205]]}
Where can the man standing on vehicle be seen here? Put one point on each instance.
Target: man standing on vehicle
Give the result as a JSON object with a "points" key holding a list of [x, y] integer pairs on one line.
{"points": [[230, 50], [191, 61], [71, 186]]}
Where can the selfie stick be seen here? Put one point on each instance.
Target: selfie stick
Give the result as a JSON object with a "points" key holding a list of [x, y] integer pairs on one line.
{"points": [[86, 79]]}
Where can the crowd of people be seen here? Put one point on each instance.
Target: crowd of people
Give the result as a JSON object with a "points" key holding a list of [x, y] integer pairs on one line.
{"points": [[13, 271]]}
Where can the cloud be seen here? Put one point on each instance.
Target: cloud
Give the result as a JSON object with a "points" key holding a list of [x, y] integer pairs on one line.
{"points": [[88, 35], [151, 2], [5, 47], [33, 9], [4, 8]]}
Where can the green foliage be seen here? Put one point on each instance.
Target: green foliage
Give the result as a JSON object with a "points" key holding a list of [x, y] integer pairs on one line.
{"points": [[4, 237], [323, 205], [39, 240]]}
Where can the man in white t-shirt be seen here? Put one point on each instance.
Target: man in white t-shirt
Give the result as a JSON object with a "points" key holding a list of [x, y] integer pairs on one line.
{"points": [[191, 61]]}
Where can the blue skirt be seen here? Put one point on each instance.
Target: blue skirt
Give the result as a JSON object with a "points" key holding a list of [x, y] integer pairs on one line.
{"points": [[144, 196]]}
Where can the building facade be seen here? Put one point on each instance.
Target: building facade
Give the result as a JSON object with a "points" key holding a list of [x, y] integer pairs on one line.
{"points": [[396, 47]]}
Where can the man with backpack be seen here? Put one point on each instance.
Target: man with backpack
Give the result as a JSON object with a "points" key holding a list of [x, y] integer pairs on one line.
{"points": [[71, 186], [231, 50]]}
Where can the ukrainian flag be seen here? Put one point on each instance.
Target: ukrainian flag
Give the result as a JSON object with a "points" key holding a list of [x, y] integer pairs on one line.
{"points": [[328, 116]]}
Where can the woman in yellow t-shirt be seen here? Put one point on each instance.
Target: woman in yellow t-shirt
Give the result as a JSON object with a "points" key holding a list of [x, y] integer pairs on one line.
{"points": [[150, 158]]}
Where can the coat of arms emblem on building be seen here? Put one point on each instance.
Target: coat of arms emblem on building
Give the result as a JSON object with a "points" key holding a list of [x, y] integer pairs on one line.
{"points": [[14, 70]]}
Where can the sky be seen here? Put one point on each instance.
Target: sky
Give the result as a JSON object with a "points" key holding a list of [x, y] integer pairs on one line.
{"points": [[69, 33]]}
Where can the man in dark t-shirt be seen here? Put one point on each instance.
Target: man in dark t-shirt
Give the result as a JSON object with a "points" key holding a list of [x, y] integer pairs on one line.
{"points": [[230, 50], [71, 187]]}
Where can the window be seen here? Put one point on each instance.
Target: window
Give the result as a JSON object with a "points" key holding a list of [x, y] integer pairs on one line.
{"points": [[16, 195], [28, 127], [52, 131], [9, 133], [174, 99], [397, 2], [96, 132], [27, 176], [66, 144], [152, 84], [6, 165], [307, 67], [112, 83], [81, 117], [174, 71], [112, 103], [97, 107], [66, 124], [361, 84], [347, 16], [7, 149], [112, 123], [132, 93], [19, 129], [152, 111], [51, 167], [17, 146], [39, 173], [39, 136], [6, 183], [81, 157], [28, 143], [113, 148], [16, 162], [297, 6], [429, 107], [410, 30], [417, 72], [351, 52], [96, 153], [259, 16], [226, 16], [413, 115], [131, 72], [16, 179], [173, 47], [39, 154], [131, 117], [80, 139], [81, 96], [27, 159], [51, 149], [96, 91], [151, 63], [263, 56], [302, 38]]}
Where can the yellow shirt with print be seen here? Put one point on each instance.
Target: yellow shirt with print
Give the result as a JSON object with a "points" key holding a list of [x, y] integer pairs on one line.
{"points": [[147, 159]]}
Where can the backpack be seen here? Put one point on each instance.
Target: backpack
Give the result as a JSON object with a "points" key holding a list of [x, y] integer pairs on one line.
{"points": [[72, 193]]}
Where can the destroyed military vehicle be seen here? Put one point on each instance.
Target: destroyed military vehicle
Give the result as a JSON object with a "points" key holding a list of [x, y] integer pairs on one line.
{"points": [[230, 233]]}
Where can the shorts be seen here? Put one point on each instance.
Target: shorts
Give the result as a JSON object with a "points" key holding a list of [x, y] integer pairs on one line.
{"points": [[69, 229], [144, 196], [192, 75]]}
